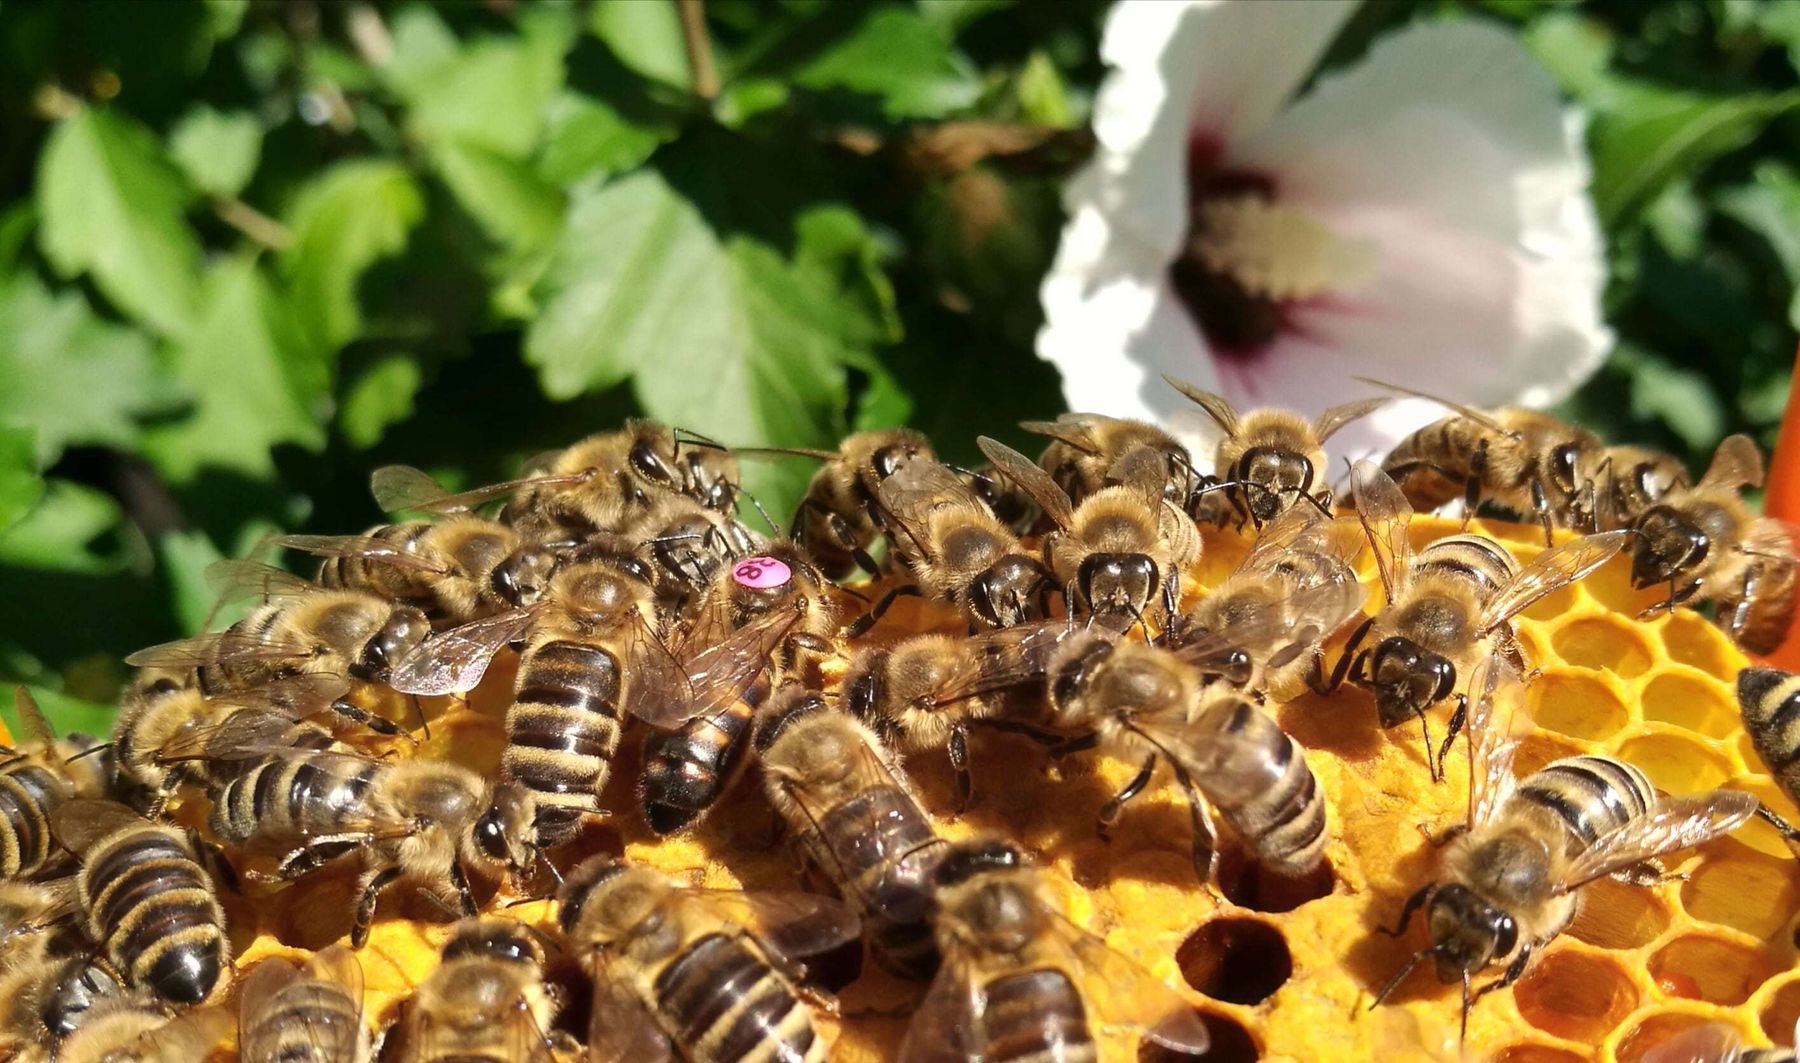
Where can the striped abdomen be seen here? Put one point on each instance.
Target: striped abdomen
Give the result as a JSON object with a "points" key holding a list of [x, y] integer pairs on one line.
{"points": [[1472, 558], [879, 848], [354, 572], [151, 908], [1433, 465], [29, 792], [308, 1021], [1770, 702], [1590, 796], [1035, 1017], [721, 1001], [1274, 804], [303, 795], [222, 673], [562, 731], [686, 770]]}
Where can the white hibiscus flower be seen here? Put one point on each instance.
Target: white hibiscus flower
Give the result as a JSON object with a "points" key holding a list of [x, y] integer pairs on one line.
{"points": [[1420, 217]]}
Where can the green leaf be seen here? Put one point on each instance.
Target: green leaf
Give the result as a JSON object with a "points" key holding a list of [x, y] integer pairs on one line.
{"points": [[58, 534], [1770, 207], [1679, 397], [184, 557], [257, 380], [1648, 135], [217, 149], [693, 302], [20, 484], [1577, 51], [646, 36], [589, 137], [65, 713], [78, 378], [351, 217], [380, 396], [492, 93], [899, 57], [512, 204], [112, 207], [950, 16]]}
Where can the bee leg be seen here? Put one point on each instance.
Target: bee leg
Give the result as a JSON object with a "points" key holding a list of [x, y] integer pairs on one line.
{"points": [[214, 861], [1541, 504], [1472, 487], [1457, 719], [1109, 812], [873, 616], [1407, 911], [1648, 873], [1206, 836], [316, 853], [363, 718], [465, 896], [365, 904], [1788, 833], [1510, 975], [1437, 771], [959, 763], [1438, 841], [1342, 670], [1078, 744]]}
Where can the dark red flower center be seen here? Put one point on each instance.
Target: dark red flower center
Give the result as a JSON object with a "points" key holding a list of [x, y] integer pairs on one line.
{"points": [[1236, 322]]}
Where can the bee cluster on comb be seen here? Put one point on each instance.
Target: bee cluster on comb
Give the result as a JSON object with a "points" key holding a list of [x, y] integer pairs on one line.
{"points": [[1100, 757]]}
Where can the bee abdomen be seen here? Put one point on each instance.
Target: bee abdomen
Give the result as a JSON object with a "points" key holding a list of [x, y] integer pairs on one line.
{"points": [[28, 794], [1592, 795], [1770, 702], [726, 1004], [1036, 1017], [685, 771], [300, 1028], [1285, 823], [153, 909], [1440, 445], [1473, 557], [885, 853], [563, 728]]}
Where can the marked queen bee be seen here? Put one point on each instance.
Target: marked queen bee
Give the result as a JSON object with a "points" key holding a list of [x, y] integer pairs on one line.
{"points": [[1510, 875], [837, 522]]}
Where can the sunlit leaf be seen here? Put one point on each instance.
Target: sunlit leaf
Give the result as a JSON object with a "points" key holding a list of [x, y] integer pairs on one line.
{"points": [[217, 149], [353, 215], [646, 37], [381, 395], [588, 136], [59, 533], [899, 57], [112, 207], [493, 93], [512, 204], [20, 485]]}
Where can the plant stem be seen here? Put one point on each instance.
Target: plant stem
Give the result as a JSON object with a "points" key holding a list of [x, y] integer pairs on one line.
{"points": [[254, 223], [699, 49]]}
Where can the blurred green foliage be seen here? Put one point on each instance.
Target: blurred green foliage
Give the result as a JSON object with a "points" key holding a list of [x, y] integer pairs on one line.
{"points": [[249, 251]]}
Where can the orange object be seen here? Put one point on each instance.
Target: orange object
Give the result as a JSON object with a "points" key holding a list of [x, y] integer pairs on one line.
{"points": [[1782, 501]]}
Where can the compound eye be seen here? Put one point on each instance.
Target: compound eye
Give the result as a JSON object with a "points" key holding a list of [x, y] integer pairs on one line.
{"points": [[647, 461], [1563, 462], [885, 461], [1446, 673], [1506, 934]]}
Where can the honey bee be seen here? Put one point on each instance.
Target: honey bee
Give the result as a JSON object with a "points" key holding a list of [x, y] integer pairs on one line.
{"points": [[957, 551], [1630, 480], [711, 972], [1117, 554], [486, 1001], [1446, 609], [1089, 451], [147, 900], [929, 691], [30, 913], [687, 546], [414, 820], [1268, 459], [1769, 700], [129, 1030], [686, 770], [460, 568], [1511, 874], [1714, 1042], [1020, 981], [33, 784], [598, 483], [308, 1014], [1704, 542], [836, 523], [1144, 704], [853, 814], [1264, 627], [46, 998], [1530, 462]]}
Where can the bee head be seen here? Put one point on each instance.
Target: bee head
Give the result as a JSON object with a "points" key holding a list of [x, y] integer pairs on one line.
{"points": [[501, 939], [1118, 583], [1667, 545], [1408, 679], [887, 460], [502, 835], [581, 885], [523, 577], [966, 860], [1563, 467], [864, 687], [1271, 479], [1010, 592], [1467, 933], [1075, 667], [402, 632], [790, 705], [992, 912], [79, 985]]}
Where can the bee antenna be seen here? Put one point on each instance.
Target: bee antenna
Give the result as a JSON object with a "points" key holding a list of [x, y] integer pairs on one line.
{"points": [[757, 503], [1394, 982], [1463, 1033], [693, 438]]}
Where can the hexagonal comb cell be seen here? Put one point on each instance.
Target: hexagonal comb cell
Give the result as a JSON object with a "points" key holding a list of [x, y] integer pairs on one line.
{"points": [[1722, 971], [1618, 915], [1691, 640], [1653, 1030], [1757, 834], [1580, 706], [1575, 995], [1539, 748], [1607, 643], [1239, 961], [1690, 700], [1676, 762], [1738, 887], [1780, 1012]]}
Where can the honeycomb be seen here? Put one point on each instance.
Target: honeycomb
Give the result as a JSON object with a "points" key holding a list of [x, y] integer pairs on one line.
{"points": [[1278, 970]]}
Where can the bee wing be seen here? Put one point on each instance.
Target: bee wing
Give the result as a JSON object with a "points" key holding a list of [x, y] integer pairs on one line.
{"points": [[943, 1028], [1031, 479], [1216, 406], [1125, 996], [401, 487], [1071, 429], [184, 655], [34, 728], [1483, 419], [340, 967], [1338, 416], [998, 660], [1385, 514], [1496, 720], [452, 661], [1672, 823], [710, 678], [245, 734], [191, 1036], [265, 981], [293, 696], [235, 578], [79, 823], [1273, 635], [909, 496], [657, 687], [791, 925], [363, 546], [1737, 463], [1551, 571], [620, 1030], [1714, 1042]]}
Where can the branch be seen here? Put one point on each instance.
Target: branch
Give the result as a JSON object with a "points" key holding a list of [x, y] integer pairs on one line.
{"points": [[699, 49], [254, 223]]}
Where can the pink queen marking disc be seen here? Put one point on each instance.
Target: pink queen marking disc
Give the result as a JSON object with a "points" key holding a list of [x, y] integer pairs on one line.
{"points": [[761, 573]]}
